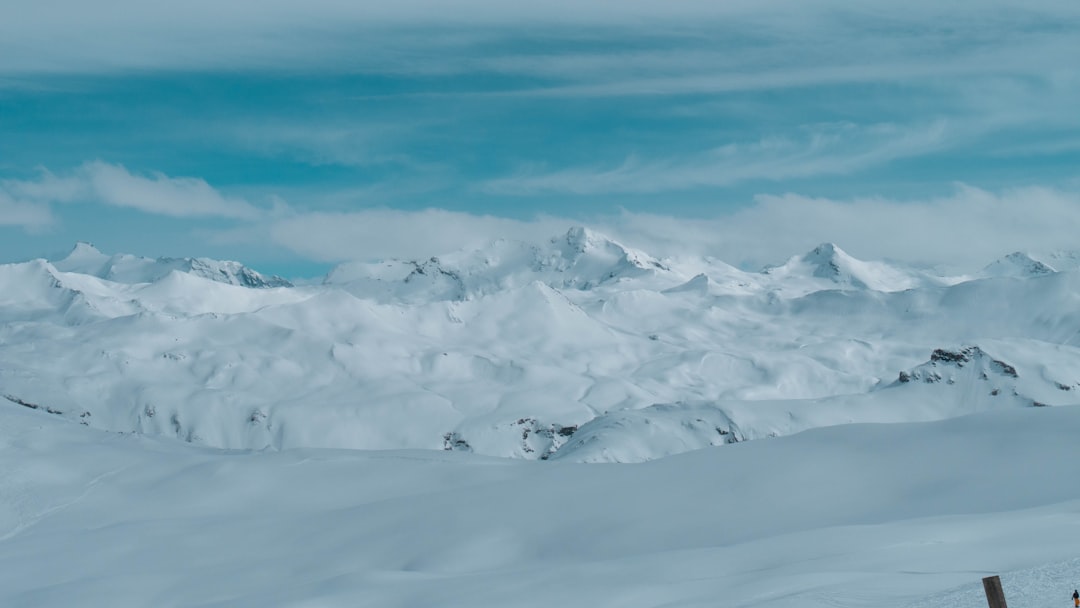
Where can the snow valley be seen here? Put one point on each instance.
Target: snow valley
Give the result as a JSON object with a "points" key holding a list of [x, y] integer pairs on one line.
{"points": [[192, 432]]}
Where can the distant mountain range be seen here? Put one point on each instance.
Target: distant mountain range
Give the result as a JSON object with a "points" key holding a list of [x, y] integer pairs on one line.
{"points": [[84, 258], [575, 348]]}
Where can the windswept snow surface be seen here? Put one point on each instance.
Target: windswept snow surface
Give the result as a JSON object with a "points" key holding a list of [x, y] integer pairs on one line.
{"points": [[851, 515], [827, 432]]}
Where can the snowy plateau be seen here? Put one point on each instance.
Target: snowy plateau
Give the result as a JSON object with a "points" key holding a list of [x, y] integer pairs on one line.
{"points": [[572, 422]]}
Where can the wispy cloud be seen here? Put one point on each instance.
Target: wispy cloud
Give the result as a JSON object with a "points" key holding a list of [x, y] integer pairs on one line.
{"points": [[343, 141], [387, 233], [961, 231], [825, 150], [68, 35], [27, 215], [109, 184], [506, 107]]}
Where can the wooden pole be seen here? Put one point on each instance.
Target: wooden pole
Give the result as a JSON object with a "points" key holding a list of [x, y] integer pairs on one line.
{"points": [[994, 594]]}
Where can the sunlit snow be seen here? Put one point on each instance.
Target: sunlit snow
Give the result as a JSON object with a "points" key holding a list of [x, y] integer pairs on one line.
{"points": [[572, 422]]}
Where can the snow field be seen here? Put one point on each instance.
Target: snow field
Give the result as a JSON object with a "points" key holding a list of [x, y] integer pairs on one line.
{"points": [[851, 515]]}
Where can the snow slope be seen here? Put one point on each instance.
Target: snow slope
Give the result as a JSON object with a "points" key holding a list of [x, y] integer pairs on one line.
{"points": [[850, 515]]}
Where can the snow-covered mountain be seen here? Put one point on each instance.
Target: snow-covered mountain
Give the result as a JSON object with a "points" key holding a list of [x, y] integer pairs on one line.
{"points": [[580, 259], [182, 428], [575, 348], [1017, 264], [84, 258], [829, 264]]}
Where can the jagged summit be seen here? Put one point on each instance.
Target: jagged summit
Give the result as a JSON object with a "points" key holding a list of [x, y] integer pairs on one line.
{"points": [[589, 258], [581, 239], [1034, 374], [227, 271], [1017, 264], [830, 262], [944, 365], [579, 259]]}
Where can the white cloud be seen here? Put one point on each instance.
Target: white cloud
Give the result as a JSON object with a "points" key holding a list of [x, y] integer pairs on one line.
{"points": [[825, 150], [114, 185], [163, 195], [961, 232], [347, 142], [387, 233], [29, 215]]}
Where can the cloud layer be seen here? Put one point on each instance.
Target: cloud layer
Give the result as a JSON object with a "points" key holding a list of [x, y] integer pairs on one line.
{"points": [[407, 129], [835, 149], [113, 185], [960, 231], [29, 215], [68, 35]]}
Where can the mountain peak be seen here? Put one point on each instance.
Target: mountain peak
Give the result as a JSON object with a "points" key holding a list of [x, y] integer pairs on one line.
{"points": [[84, 248], [83, 258], [828, 259], [944, 363], [233, 273], [581, 239], [597, 258], [1017, 264], [827, 249]]}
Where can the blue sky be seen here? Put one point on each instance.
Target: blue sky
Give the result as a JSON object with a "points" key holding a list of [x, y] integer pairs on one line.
{"points": [[293, 137]]}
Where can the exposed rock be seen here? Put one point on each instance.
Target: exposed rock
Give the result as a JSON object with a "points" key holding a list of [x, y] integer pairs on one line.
{"points": [[453, 442], [931, 372]]}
